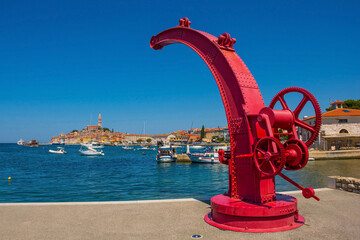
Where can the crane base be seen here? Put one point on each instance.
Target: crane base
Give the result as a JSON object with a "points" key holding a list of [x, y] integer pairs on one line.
{"points": [[242, 216]]}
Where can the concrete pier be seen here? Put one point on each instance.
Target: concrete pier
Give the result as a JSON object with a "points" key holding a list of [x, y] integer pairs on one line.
{"points": [[336, 216], [332, 155]]}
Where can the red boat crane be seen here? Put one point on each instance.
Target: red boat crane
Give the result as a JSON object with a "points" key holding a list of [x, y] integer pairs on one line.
{"points": [[257, 155]]}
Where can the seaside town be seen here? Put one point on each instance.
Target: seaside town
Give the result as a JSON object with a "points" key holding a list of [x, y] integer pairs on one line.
{"points": [[96, 133], [340, 130]]}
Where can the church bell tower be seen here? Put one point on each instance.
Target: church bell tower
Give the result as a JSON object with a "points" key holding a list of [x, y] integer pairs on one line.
{"points": [[100, 121]]}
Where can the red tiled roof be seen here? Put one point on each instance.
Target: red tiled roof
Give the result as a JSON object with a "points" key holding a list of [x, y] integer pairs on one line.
{"points": [[337, 102], [339, 112], [161, 135]]}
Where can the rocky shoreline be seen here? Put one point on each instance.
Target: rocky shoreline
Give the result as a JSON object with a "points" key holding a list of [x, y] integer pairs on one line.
{"points": [[348, 184]]}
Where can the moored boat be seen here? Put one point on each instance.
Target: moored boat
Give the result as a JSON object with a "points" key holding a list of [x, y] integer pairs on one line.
{"points": [[209, 156], [59, 150], [166, 154], [127, 147], [32, 143], [90, 151], [93, 145]]}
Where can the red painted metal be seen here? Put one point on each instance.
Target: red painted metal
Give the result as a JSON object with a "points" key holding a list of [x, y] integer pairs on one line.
{"points": [[307, 97], [269, 156], [251, 203], [307, 192]]}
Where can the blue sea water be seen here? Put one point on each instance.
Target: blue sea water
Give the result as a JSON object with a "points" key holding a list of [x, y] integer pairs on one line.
{"points": [[126, 175]]}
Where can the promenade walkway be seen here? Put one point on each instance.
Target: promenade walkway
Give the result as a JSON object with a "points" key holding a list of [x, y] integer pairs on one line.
{"points": [[336, 216]]}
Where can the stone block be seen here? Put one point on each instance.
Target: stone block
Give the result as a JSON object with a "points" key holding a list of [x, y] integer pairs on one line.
{"points": [[351, 180], [351, 186], [344, 186], [349, 190], [338, 185], [331, 182]]}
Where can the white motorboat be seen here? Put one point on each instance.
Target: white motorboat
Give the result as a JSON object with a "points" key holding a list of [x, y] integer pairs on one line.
{"points": [[20, 142], [93, 145], [59, 150], [127, 147], [210, 156], [90, 151], [144, 148], [196, 147]]}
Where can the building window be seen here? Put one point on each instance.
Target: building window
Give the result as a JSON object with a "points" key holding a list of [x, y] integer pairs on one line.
{"points": [[344, 131], [343, 121]]}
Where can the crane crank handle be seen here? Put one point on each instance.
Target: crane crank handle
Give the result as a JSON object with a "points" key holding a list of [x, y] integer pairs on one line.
{"points": [[306, 192]]}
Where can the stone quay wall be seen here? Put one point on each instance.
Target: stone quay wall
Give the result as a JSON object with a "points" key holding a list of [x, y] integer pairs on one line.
{"points": [[348, 184]]}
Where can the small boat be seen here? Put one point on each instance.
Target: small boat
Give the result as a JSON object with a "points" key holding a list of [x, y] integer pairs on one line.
{"points": [[197, 147], [166, 154], [59, 150], [90, 151], [127, 147], [93, 145], [20, 142], [144, 148], [210, 155], [32, 143]]}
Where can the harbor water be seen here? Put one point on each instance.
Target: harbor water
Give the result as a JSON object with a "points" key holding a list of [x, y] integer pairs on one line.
{"points": [[127, 175]]}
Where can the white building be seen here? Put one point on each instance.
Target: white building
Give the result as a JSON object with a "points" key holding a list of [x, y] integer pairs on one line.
{"points": [[340, 129]]}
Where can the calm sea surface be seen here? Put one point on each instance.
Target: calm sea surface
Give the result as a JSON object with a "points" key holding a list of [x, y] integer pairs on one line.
{"points": [[122, 175]]}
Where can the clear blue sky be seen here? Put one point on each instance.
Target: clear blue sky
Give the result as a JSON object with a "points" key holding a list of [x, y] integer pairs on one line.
{"points": [[63, 63]]}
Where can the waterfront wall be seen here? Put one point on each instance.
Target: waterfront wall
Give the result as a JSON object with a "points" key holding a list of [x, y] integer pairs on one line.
{"points": [[348, 184], [327, 155]]}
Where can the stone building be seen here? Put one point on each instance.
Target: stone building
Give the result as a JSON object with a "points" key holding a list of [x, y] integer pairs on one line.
{"points": [[164, 138], [95, 127], [340, 129]]}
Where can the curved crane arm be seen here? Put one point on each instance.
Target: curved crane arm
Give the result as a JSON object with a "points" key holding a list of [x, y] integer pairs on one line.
{"points": [[239, 91]]}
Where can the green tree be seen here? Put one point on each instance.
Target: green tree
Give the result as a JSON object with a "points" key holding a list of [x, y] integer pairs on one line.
{"points": [[148, 140], [74, 130], [139, 140], [352, 104], [106, 129], [202, 133]]}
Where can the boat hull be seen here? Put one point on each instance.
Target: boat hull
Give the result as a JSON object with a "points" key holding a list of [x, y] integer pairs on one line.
{"points": [[57, 152], [205, 160], [90, 153], [165, 159]]}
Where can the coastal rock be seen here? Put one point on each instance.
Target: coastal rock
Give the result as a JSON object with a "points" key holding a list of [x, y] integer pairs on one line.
{"points": [[351, 180], [343, 180], [349, 184]]}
